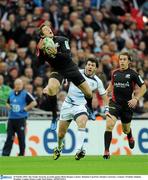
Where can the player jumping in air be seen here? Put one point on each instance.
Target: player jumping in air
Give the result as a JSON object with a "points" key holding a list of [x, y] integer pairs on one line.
{"points": [[60, 60]]}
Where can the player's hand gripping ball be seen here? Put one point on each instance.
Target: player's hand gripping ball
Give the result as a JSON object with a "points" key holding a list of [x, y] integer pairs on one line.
{"points": [[49, 47]]}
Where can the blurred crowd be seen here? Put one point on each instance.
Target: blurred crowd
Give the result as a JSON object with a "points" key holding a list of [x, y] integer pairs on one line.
{"points": [[103, 28]]}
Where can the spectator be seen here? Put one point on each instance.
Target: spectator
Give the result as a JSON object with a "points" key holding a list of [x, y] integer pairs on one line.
{"points": [[121, 21], [19, 103], [4, 93]]}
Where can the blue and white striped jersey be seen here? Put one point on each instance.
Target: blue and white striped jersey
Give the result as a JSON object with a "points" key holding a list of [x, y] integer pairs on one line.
{"points": [[75, 95]]}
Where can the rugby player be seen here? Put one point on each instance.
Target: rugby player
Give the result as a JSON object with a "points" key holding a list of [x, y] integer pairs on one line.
{"points": [[74, 108], [123, 100], [62, 67]]}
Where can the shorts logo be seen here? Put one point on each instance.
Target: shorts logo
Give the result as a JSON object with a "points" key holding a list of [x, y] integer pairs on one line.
{"points": [[127, 76]]}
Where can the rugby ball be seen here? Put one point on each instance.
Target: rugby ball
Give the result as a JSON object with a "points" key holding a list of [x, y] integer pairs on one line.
{"points": [[48, 43]]}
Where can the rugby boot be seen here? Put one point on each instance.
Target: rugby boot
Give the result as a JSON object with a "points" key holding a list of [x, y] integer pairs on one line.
{"points": [[106, 155], [80, 154], [131, 142], [57, 152]]}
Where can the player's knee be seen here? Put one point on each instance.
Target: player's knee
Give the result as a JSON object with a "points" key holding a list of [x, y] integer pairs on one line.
{"points": [[52, 91], [89, 94], [82, 125], [110, 126], [126, 131]]}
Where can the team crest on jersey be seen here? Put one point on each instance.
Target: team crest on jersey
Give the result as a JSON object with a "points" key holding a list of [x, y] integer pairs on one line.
{"points": [[92, 84], [127, 76]]}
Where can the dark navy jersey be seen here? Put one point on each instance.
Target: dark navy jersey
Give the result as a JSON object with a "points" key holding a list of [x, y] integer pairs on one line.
{"points": [[123, 82], [63, 58]]}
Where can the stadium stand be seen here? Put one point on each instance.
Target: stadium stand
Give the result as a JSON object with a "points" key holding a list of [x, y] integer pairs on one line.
{"points": [[103, 28]]}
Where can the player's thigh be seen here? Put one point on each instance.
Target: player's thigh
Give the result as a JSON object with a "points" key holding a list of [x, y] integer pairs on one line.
{"points": [[54, 83], [84, 87], [66, 112], [80, 115], [74, 75], [126, 115], [111, 121], [82, 120]]}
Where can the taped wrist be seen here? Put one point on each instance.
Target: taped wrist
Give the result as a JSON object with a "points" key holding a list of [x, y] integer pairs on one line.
{"points": [[106, 109]]}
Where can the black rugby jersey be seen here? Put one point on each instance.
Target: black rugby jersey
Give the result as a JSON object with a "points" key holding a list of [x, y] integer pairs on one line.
{"points": [[123, 82], [63, 58]]}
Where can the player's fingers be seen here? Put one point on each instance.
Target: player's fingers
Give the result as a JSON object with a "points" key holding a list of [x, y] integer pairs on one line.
{"points": [[109, 115], [129, 104], [45, 91]]}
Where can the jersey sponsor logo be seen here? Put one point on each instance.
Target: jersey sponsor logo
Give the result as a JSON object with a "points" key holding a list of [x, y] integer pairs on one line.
{"points": [[122, 85], [127, 76], [92, 85]]}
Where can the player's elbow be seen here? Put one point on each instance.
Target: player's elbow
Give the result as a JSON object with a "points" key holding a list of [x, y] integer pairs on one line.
{"points": [[34, 103]]}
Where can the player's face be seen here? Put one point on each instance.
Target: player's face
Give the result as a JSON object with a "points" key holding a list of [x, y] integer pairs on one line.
{"points": [[47, 31], [18, 85], [90, 68], [123, 62]]}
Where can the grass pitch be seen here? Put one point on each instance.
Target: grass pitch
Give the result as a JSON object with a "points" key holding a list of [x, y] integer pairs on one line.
{"points": [[67, 165]]}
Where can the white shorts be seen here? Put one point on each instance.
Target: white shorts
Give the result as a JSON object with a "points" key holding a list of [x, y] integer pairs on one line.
{"points": [[71, 112]]}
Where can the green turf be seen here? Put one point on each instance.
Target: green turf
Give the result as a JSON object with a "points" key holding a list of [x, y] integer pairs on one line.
{"points": [[67, 165]]}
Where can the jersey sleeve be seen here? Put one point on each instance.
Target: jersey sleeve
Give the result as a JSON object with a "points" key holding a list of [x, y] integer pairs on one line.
{"points": [[137, 79], [101, 88], [29, 98]]}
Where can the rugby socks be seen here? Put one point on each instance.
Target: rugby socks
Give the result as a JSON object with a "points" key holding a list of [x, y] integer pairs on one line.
{"points": [[53, 102], [107, 139], [60, 141], [81, 136], [89, 103], [129, 135]]}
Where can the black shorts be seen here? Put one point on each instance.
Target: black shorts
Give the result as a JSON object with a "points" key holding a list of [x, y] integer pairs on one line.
{"points": [[120, 111], [71, 73]]}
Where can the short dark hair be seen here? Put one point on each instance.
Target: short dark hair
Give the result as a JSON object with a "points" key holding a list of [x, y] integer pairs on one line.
{"points": [[93, 60], [126, 54], [46, 23]]}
